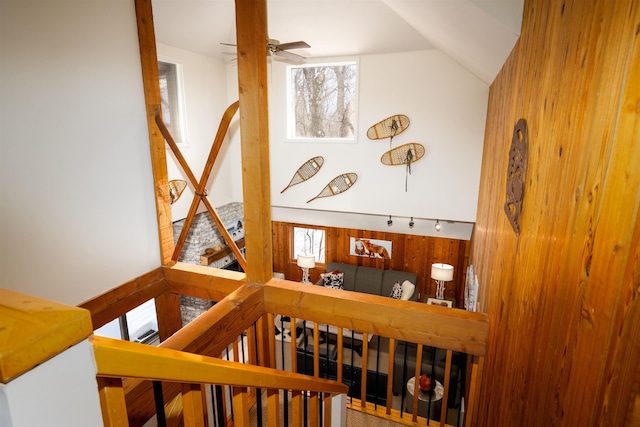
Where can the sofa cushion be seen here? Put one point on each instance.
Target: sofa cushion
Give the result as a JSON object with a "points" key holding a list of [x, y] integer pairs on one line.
{"points": [[349, 271], [333, 280], [407, 290], [396, 292], [390, 277], [369, 281]]}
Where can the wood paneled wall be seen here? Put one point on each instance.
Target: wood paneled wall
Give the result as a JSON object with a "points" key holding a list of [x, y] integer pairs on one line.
{"points": [[409, 253], [563, 295]]}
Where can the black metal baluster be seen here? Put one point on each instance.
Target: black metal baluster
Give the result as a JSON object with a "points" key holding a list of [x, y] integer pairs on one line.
{"points": [[159, 400]]}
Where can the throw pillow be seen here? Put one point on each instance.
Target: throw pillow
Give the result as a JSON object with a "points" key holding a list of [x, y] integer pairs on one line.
{"points": [[407, 290], [333, 280], [396, 292]]}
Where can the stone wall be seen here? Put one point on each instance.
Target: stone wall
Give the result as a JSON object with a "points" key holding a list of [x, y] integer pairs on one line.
{"points": [[204, 234]]}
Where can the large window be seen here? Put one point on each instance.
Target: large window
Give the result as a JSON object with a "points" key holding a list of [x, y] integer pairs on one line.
{"points": [[308, 241], [171, 94], [322, 101]]}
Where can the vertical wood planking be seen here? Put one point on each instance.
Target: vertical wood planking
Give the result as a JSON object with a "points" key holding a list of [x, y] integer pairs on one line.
{"points": [[562, 295], [409, 253]]}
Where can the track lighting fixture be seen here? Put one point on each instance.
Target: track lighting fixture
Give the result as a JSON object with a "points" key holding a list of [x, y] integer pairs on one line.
{"points": [[411, 223], [390, 221], [437, 226]]}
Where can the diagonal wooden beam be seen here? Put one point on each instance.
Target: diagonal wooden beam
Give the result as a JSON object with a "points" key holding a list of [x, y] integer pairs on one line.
{"points": [[151, 84], [201, 185]]}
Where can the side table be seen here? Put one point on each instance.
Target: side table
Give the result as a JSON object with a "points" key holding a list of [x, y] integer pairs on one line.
{"points": [[433, 398]]}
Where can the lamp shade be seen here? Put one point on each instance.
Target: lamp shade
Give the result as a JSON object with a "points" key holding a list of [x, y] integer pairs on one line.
{"points": [[306, 261], [443, 272]]}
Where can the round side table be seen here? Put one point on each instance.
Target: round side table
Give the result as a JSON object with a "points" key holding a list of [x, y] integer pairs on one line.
{"points": [[423, 399]]}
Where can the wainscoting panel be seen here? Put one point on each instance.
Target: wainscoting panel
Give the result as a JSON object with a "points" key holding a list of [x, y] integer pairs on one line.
{"points": [[410, 253]]}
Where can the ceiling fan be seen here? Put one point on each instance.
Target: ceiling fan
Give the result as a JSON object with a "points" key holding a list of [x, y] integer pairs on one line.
{"points": [[281, 50]]}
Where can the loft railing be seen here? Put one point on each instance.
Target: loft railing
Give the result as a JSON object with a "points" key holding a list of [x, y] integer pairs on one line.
{"points": [[116, 359], [408, 329], [314, 332]]}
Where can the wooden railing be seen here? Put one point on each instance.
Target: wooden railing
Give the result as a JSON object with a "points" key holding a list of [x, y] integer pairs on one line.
{"points": [[249, 309], [429, 329], [116, 359]]}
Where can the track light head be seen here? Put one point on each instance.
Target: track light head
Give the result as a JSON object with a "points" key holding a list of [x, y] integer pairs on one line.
{"points": [[437, 225], [411, 223], [390, 221]]}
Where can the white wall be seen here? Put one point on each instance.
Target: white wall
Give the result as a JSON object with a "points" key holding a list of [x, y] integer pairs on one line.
{"points": [[447, 108], [205, 96], [61, 392], [77, 215]]}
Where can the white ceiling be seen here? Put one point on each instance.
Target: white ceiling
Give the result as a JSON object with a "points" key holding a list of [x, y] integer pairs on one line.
{"points": [[478, 34]]}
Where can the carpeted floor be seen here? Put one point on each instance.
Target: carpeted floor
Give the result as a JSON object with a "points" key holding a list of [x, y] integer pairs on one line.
{"points": [[354, 418], [359, 419]]}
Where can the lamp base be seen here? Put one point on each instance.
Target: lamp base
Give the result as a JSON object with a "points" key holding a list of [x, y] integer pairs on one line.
{"points": [[305, 275], [440, 289]]}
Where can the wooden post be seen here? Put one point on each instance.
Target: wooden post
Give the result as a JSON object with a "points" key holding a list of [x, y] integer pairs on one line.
{"points": [[193, 408], [251, 28], [114, 410]]}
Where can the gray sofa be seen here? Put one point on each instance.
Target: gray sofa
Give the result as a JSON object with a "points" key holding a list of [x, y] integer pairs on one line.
{"points": [[371, 280]]}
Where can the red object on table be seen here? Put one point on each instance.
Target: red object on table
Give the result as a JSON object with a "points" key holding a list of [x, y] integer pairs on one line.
{"points": [[425, 382]]}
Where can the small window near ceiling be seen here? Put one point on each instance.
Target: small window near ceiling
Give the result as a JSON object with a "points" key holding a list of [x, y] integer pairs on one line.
{"points": [[322, 102], [171, 95], [309, 241]]}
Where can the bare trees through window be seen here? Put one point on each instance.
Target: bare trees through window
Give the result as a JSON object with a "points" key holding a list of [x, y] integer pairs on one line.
{"points": [[323, 101]]}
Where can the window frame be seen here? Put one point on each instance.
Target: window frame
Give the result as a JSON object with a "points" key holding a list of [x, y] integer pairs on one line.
{"points": [[181, 138], [292, 246], [290, 115]]}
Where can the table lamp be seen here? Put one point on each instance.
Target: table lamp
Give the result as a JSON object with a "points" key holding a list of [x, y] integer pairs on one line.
{"points": [[305, 262], [441, 273]]}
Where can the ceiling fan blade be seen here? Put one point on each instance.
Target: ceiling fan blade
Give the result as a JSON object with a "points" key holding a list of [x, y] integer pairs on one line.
{"points": [[293, 45], [290, 56]]}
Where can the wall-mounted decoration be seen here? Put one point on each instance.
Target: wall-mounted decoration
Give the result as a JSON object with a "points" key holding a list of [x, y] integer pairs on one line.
{"points": [[517, 174], [404, 155], [306, 171], [370, 248], [389, 127], [176, 187], [339, 184]]}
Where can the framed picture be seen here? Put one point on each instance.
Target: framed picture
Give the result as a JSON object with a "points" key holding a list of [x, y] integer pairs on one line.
{"points": [[370, 248], [441, 302]]}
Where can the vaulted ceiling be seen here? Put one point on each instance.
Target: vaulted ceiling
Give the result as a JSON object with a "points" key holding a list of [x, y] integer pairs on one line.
{"points": [[478, 34]]}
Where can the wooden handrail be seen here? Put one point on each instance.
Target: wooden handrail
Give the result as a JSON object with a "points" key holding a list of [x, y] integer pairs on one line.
{"points": [[118, 359], [239, 305], [442, 327]]}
